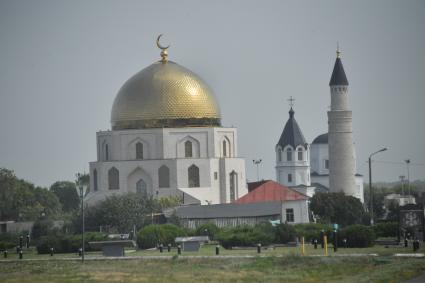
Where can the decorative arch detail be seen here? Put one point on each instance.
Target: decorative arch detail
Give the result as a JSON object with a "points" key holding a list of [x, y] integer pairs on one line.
{"points": [[113, 179]]}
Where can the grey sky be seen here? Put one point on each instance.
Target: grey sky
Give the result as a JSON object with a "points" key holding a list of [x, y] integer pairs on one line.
{"points": [[62, 63]]}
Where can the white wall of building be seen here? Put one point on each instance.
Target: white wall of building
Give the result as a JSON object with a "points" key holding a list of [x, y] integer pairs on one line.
{"points": [[165, 146]]}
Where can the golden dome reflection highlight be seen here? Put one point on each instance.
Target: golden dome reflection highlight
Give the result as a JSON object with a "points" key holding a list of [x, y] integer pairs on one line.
{"points": [[164, 95]]}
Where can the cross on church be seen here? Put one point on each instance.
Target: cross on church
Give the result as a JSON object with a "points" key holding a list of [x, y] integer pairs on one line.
{"points": [[291, 101]]}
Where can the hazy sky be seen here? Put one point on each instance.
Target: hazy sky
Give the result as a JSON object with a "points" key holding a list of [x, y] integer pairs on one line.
{"points": [[62, 63]]}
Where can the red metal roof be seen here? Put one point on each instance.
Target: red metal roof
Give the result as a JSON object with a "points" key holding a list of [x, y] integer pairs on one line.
{"points": [[268, 190]]}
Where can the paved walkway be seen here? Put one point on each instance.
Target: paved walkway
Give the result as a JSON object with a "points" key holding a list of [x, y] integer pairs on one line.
{"points": [[166, 257]]}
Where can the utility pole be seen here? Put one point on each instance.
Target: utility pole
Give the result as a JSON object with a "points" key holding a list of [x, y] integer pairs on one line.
{"points": [[402, 184], [408, 175]]}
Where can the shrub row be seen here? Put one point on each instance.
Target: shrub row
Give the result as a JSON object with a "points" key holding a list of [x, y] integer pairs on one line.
{"points": [[67, 244], [153, 235]]}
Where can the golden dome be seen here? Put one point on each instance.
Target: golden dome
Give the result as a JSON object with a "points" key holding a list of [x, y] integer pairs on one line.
{"points": [[164, 95]]}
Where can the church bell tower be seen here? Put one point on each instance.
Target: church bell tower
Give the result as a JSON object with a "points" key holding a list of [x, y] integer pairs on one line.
{"points": [[341, 153]]}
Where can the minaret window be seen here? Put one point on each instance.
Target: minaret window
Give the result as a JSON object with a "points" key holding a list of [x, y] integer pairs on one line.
{"points": [[193, 176], [300, 154], [95, 179], [289, 178], [164, 177], [233, 185], [326, 163], [224, 148], [139, 150], [188, 149], [114, 179], [279, 155], [289, 154]]}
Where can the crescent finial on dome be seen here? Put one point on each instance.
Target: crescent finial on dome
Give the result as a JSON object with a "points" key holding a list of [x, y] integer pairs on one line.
{"points": [[164, 53]]}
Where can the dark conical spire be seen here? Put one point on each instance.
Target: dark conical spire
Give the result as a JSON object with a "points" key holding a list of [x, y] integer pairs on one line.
{"points": [[338, 75], [292, 134]]}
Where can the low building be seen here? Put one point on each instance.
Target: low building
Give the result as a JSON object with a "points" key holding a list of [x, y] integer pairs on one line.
{"points": [[267, 201]]}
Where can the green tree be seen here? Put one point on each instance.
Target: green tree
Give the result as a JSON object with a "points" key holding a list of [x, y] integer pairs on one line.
{"points": [[337, 208], [21, 200], [67, 195], [120, 212]]}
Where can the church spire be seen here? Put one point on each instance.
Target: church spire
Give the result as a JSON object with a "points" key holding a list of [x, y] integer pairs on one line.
{"points": [[338, 74]]}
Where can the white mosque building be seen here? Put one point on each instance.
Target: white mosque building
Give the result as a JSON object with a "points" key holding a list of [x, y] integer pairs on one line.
{"points": [[329, 163], [167, 140]]}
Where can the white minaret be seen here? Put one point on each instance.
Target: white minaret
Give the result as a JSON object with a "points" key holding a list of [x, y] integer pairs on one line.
{"points": [[341, 159], [292, 155]]}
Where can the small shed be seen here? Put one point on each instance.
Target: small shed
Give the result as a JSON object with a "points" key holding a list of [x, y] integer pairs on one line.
{"points": [[113, 248], [192, 244]]}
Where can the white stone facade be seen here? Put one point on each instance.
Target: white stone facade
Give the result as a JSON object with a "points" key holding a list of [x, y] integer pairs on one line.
{"points": [[320, 168], [341, 159], [293, 165], [157, 161]]}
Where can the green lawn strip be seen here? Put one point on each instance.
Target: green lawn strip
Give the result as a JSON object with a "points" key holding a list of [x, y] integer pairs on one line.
{"points": [[260, 269]]}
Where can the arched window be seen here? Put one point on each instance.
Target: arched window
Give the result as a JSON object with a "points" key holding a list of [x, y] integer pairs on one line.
{"points": [[114, 179], [164, 177], [106, 152], [300, 154], [139, 150], [279, 155], [141, 187], [224, 148], [188, 149], [289, 178], [289, 154], [193, 176], [233, 185], [95, 179]]}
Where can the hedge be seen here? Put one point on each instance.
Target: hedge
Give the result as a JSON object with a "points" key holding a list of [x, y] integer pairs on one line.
{"points": [[358, 236], [388, 229], [68, 244], [246, 236], [153, 235]]}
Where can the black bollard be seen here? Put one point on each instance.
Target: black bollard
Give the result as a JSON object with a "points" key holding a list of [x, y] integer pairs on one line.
{"points": [[315, 244], [406, 244], [21, 254], [415, 245], [51, 251], [169, 247], [335, 241], [259, 248], [21, 242], [5, 254], [217, 250], [80, 252], [345, 243], [322, 235], [28, 241], [179, 250], [160, 248]]}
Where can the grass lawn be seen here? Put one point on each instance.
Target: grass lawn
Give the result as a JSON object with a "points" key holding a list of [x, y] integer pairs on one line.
{"points": [[278, 265], [260, 269]]}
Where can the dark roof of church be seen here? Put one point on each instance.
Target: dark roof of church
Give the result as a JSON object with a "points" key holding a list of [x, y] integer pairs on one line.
{"points": [[338, 75], [323, 138], [291, 134]]}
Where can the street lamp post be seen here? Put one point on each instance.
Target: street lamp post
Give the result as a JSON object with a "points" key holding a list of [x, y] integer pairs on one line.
{"points": [[402, 184], [370, 184], [81, 188], [408, 175], [257, 162]]}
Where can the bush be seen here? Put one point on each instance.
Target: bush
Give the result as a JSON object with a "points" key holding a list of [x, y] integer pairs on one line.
{"points": [[5, 245], [246, 236], [153, 235], [68, 244], [311, 231], [209, 229], [41, 228], [285, 233], [389, 229], [358, 236]]}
